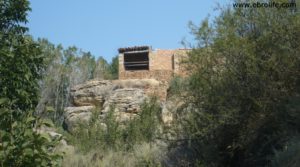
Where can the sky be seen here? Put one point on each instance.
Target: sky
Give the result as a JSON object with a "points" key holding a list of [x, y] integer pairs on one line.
{"points": [[103, 26]]}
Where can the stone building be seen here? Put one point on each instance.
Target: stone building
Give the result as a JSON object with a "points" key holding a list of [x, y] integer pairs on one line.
{"points": [[141, 62]]}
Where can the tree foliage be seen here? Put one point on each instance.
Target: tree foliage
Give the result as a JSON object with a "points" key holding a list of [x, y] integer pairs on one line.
{"points": [[114, 67], [66, 68], [21, 65], [244, 86]]}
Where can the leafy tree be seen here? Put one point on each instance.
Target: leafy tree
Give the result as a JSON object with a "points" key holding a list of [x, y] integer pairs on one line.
{"points": [[244, 86], [65, 68], [101, 69], [104, 70], [114, 67], [50, 84], [21, 65], [87, 65]]}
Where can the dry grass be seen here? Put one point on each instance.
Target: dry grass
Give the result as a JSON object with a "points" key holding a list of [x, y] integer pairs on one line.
{"points": [[142, 155]]}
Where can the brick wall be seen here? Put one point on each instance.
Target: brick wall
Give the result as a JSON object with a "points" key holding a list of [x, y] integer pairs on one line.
{"points": [[161, 60], [163, 64], [179, 68]]}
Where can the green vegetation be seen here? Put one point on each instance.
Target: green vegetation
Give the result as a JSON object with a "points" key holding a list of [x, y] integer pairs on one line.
{"points": [[145, 127], [66, 68], [114, 68], [244, 86], [177, 86], [241, 100], [107, 133], [21, 64], [26, 67], [289, 155], [109, 142], [141, 155]]}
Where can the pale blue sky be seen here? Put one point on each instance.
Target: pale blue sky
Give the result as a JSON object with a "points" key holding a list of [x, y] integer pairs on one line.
{"points": [[103, 26]]}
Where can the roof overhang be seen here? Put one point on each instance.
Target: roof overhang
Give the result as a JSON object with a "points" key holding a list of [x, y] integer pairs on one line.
{"points": [[135, 49]]}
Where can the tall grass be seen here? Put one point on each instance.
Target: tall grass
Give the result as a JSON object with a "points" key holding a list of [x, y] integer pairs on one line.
{"points": [[144, 154]]}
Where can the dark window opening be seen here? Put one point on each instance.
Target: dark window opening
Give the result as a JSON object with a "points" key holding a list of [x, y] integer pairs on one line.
{"points": [[137, 60]]}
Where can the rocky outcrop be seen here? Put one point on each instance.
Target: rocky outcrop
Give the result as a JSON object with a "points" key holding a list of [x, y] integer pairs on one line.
{"points": [[123, 96], [75, 115], [126, 102], [91, 93], [96, 92]]}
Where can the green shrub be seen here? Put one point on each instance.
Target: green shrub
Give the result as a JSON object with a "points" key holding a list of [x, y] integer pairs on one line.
{"points": [[23, 145], [177, 85], [111, 144], [88, 136], [289, 156], [109, 134], [243, 86], [144, 127], [112, 133]]}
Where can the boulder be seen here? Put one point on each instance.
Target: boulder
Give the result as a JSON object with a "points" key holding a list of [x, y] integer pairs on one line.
{"points": [[126, 102], [91, 93], [77, 115]]}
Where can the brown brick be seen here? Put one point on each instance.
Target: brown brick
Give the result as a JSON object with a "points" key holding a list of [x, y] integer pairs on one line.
{"points": [[163, 65]]}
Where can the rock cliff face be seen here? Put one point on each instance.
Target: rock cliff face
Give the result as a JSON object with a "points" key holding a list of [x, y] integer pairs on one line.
{"points": [[125, 96], [74, 115]]}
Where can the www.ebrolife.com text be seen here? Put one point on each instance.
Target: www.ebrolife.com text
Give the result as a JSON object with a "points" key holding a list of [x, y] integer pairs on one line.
{"points": [[264, 5]]}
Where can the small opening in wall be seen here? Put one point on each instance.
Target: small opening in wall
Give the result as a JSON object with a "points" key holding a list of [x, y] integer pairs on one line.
{"points": [[136, 60]]}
